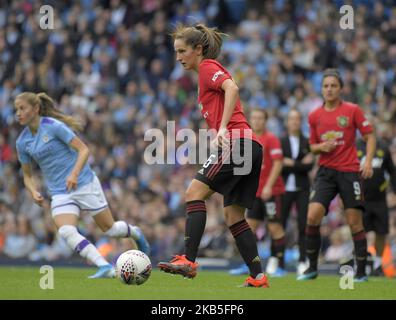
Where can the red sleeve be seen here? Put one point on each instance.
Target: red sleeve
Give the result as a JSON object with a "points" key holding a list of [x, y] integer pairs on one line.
{"points": [[212, 76], [313, 138], [275, 149], [361, 122]]}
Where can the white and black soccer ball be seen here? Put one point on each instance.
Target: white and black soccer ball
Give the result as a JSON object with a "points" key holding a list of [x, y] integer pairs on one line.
{"points": [[133, 267]]}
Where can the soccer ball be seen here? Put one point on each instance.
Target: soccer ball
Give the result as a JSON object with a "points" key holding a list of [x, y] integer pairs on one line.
{"points": [[133, 267]]}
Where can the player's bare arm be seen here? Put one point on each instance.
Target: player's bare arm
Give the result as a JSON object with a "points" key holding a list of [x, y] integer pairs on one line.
{"points": [[274, 174], [231, 93], [83, 154], [30, 185], [371, 144]]}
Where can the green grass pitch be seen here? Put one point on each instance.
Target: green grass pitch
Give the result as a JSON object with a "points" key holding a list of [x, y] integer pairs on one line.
{"points": [[72, 283]]}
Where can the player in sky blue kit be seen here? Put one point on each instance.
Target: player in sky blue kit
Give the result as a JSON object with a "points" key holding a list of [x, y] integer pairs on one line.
{"points": [[49, 140]]}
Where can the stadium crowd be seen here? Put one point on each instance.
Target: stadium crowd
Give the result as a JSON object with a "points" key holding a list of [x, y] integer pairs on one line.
{"points": [[111, 65]]}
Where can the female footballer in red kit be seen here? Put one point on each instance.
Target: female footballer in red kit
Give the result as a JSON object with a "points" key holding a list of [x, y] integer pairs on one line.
{"points": [[196, 49], [332, 135]]}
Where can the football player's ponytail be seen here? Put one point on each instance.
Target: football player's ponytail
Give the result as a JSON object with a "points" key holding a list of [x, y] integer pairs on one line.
{"points": [[47, 108], [209, 38]]}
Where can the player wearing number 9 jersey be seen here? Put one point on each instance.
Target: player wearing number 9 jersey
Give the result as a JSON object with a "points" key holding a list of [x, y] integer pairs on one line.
{"points": [[332, 135]]}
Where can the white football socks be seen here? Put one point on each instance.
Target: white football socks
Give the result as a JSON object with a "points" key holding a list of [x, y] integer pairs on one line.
{"points": [[121, 229], [377, 262], [81, 245]]}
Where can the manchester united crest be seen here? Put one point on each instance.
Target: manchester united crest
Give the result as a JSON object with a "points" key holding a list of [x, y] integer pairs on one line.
{"points": [[342, 121]]}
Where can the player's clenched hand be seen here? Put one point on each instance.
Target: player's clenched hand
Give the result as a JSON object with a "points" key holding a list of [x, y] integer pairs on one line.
{"points": [[366, 170], [38, 198], [266, 194], [222, 139], [71, 182], [328, 146]]}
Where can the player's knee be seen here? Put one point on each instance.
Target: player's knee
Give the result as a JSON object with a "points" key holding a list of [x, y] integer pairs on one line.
{"points": [[231, 217], [189, 194], [67, 230], [253, 224], [355, 221], [231, 220], [311, 220], [194, 193], [356, 227], [276, 230], [314, 218], [228, 218]]}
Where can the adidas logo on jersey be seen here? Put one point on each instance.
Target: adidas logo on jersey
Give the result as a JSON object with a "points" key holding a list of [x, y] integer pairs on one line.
{"points": [[216, 75]]}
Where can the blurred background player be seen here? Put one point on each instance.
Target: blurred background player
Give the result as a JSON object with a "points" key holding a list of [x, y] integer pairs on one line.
{"points": [[268, 197], [196, 49], [49, 140], [332, 135], [376, 214], [298, 161]]}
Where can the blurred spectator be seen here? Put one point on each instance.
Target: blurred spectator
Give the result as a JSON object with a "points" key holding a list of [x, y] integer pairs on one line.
{"points": [[341, 246], [19, 239]]}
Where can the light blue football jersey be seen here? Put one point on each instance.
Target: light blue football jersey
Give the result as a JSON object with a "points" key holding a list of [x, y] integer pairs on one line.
{"points": [[50, 149]]}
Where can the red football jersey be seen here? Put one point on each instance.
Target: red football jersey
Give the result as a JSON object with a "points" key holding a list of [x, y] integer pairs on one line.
{"points": [[211, 99], [272, 150], [339, 125]]}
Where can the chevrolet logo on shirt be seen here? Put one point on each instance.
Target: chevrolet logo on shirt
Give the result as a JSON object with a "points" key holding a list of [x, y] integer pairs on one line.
{"points": [[332, 135]]}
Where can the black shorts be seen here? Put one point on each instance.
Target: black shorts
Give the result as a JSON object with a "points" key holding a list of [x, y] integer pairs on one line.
{"points": [[270, 209], [329, 182], [376, 217], [233, 174]]}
